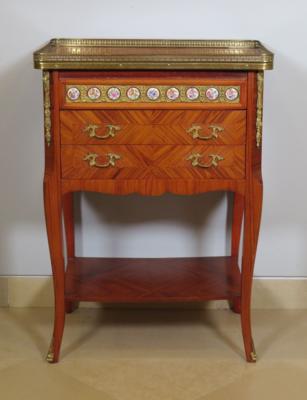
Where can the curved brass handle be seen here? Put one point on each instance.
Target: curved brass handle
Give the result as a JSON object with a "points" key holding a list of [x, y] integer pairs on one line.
{"points": [[91, 131], [91, 158], [194, 130], [195, 158]]}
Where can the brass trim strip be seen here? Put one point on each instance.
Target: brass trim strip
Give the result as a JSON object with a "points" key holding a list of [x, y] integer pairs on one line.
{"points": [[260, 79], [155, 43], [47, 107], [142, 65]]}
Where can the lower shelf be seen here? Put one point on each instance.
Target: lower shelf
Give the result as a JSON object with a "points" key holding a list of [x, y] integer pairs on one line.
{"points": [[143, 280]]}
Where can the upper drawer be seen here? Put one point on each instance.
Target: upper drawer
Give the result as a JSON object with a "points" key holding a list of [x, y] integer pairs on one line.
{"points": [[165, 91], [153, 127]]}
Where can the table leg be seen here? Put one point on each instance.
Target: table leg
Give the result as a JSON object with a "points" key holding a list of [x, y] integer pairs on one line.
{"points": [[237, 217], [252, 216], [53, 212], [68, 213]]}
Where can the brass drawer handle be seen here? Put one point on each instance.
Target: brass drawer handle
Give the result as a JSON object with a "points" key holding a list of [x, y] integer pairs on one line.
{"points": [[195, 158], [91, 158], [91, 131], [194, 130]]}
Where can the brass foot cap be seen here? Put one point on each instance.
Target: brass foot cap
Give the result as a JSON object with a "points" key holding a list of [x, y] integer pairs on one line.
{"points": [[50, 357], [253, 356]]}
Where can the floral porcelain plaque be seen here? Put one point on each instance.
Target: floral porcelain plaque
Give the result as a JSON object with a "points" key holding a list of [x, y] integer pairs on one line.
{"points": [[113, 93], [212, 93], [73, 93], [153, 93]]}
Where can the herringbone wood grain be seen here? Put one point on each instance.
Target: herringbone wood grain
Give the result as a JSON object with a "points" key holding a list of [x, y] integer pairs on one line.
{"points": [[153, 126], [147, 162], [133, 280]]}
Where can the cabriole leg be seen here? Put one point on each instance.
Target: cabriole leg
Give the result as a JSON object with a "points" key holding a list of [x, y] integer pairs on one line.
{"points": [[68, 213], [52, 204], [237, 217], [253, 206]]}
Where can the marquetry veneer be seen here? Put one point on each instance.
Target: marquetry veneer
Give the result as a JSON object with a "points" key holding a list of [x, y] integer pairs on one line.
{"points": [[152, 126], [150, 117]]}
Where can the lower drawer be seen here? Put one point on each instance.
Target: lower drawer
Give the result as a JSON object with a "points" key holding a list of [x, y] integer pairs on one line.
{"points": [[152, 161]]}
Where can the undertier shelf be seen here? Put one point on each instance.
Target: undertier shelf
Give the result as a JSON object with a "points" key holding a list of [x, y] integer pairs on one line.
{"points": [[116, 280]]}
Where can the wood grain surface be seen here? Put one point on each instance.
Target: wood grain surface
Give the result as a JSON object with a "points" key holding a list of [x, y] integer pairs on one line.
{"points": [[152, 279], [148, 162], [153, 126]]}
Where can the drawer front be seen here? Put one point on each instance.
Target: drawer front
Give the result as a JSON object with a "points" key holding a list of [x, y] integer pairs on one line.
{"points": [[147, 162], [153, 127]]}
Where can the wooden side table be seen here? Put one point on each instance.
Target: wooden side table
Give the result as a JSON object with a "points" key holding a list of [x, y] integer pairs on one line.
{"points": [[150, 117]]}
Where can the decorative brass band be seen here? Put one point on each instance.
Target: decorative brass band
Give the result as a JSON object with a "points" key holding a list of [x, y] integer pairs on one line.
{"points": [[184, 43], [259, 108], [195, 160], [111, 160], [163, 54], [83, 98], [47, 107]]}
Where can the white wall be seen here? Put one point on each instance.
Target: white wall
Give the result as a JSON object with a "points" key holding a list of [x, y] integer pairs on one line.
{"points": [[166, 226]]}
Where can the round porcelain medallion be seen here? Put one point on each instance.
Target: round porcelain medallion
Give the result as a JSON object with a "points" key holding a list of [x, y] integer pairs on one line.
{"points": [[93, 93], [172, 93], [212, 93], [192, 93], [113, 93], [73, 93], [133, 93], [153, 93], [232, 94]]}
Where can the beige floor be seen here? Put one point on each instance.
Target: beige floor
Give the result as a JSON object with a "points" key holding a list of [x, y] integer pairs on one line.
{"points": [[153, 354]]}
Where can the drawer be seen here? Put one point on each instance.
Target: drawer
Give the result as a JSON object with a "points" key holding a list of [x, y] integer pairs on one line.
{"points": [[153, 127], [151, 161]]}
